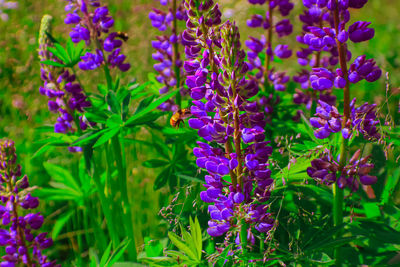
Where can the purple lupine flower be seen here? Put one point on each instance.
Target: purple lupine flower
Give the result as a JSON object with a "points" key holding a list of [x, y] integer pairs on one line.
{"points": [[23, 246], [284, 28], [65, 94], [328, 120], [363, 68], [322, 79], [359, 32], [282, 51], [169, 65], [356, 172], [220, 91], [364, 120], [95, 26]]}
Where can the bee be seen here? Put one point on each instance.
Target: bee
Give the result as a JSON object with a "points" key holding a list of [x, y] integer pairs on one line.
{"points": [[179, 116], [123, 36]]}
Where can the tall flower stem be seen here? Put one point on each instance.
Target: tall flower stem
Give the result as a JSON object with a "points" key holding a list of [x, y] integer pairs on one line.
{"points": [[126, 207], [122, 180], [337, 192], [175, 55], [268, 44]]}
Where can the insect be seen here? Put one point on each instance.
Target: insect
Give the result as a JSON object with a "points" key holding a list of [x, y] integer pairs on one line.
{"points": [[123, 36], [179, 116]]}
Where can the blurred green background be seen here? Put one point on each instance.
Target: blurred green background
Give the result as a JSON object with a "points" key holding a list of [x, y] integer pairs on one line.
{"points": [[23, 110]]}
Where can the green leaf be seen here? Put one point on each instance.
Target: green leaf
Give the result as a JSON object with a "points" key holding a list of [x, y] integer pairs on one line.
{"points": [[52, 63], [61, 175], [147, 118], [113, 103], [162, 178], [150, 107], [180, 245], [371, 209], [390, 186], [153, 248], [155, 163], [196, 235], [190, 178], [62, 53], [116, 255], [60, 222], [89, 136], [114, 121], [106, 255], [110, 133]]}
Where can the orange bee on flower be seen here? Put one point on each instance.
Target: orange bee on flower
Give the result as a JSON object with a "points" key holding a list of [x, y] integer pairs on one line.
{"points": [[179, 116]]}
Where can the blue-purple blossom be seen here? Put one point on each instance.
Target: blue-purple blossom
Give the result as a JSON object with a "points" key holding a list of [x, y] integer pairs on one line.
{"points": [[359, 32], [95, 26], [327, 120], [23, 245], [65, 95], [356, 172], [219, 96]]}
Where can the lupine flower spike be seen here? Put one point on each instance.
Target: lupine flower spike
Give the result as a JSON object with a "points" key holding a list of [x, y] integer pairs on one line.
{"points": [[19, 232]]}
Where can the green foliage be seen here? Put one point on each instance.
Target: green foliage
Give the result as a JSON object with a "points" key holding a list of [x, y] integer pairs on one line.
{"points": [[189, 247]]}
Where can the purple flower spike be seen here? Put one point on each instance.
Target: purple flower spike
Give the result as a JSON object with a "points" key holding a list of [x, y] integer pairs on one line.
{"points": [[20, 239]]}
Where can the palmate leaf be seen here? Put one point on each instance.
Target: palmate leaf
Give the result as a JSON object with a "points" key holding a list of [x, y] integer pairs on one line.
{"points": [[61, 175], [150, 107], [187, 246]]}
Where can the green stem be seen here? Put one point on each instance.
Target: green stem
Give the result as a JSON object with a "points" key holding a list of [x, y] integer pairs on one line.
{"points": [[105, 206], [122, 180], [337, 192], [108, 77], [338, 218], [175, 55], [243, 236]]}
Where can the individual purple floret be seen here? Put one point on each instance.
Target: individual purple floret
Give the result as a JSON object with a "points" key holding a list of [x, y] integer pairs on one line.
{"points": [[359, 32], [95, 26], [23, 245], [322, 79], [328, 120]]}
